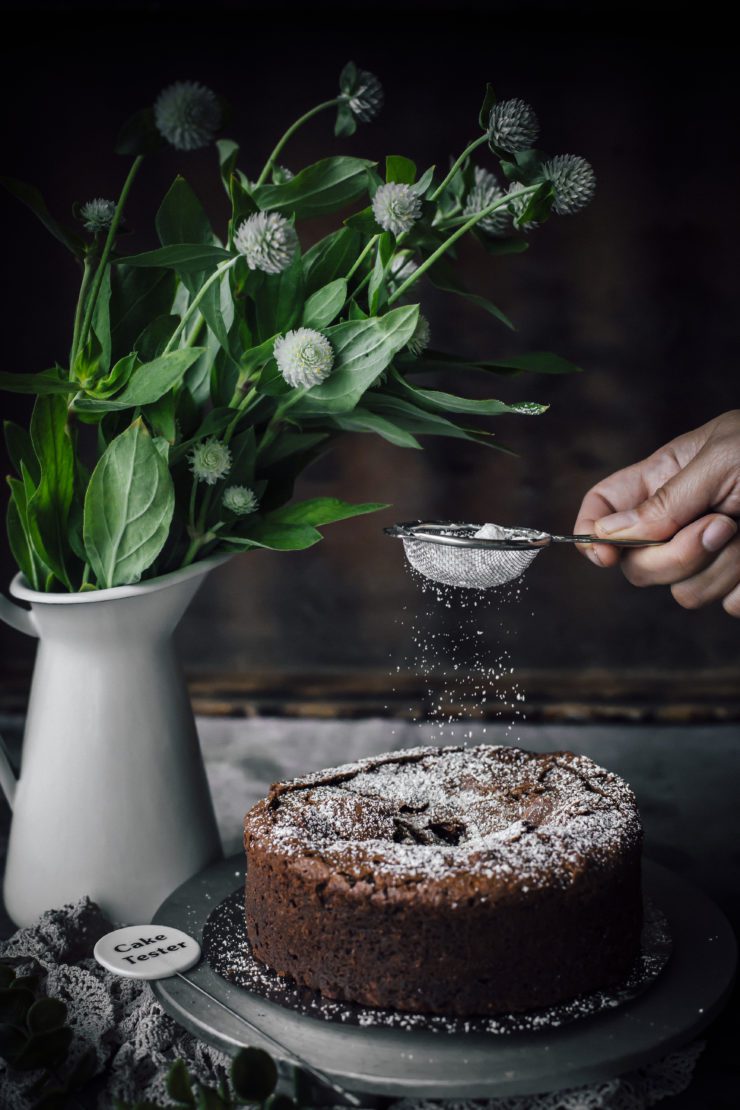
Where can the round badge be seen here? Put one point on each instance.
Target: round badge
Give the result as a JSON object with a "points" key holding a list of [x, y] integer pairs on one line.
{"points": [[147, 951]]}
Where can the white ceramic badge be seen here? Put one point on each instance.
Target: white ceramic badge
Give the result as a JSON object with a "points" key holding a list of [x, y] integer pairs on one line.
{"points": [[147, 951]]}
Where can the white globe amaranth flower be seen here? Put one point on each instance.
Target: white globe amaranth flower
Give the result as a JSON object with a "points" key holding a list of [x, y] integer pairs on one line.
{"points": [[240, 500], [396, 207], [304, 357], [187, 115], [97, 214], [268, 241], [210, 461], [420, 338], [512, 125], [486, 190], [573, 180], [362, 92]]}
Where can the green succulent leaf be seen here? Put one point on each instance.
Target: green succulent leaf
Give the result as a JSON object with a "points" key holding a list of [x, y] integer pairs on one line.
{"points": [[317, 190], [46, 1014], [44, 1050], [128, 508], [15, 1003], [253, 1074], [179, 1086]]}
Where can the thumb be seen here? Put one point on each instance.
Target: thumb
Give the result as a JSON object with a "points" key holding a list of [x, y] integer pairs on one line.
{"points": [[682, 499]]}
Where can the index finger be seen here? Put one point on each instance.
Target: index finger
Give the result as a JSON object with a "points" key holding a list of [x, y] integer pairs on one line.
{"points": [[622, 490]]}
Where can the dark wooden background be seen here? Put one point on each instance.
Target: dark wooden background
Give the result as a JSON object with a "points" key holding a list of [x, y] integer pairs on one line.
{"points": [[641, 289]]}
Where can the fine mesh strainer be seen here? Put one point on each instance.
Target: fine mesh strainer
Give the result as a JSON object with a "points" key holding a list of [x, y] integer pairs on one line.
{"points": [[479, 557]]}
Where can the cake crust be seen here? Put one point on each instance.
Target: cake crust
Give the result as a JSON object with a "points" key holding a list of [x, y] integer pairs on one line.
{"points": [[448, 880]]}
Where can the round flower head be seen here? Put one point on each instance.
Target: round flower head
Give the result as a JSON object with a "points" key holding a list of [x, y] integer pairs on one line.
{"points": [[364, 96], [268, 241], [304, 357], [240, 500], [97, 215], [512, 125], [396, 207], [187, 115], [210, 461], [484, 191], [281, 174], [419, 341], [573, 180], [518, 205]]}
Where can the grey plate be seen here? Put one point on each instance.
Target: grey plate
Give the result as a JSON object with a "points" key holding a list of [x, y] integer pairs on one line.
{"points": [[414, 1063]]}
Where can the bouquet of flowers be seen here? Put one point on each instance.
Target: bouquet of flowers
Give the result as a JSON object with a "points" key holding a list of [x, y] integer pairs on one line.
{"points": [[205, 374]]}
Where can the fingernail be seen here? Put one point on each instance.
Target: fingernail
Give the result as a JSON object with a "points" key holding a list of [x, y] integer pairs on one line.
{"points": [[617, 522], [718, 533]]}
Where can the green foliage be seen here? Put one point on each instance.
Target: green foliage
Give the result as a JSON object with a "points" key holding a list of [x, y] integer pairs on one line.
{"points": [[174, 347]]}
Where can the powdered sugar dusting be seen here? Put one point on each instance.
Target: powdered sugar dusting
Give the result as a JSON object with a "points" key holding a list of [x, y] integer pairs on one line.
{"points": [[426, 814]]}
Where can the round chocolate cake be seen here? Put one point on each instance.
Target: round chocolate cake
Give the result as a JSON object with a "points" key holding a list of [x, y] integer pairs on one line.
{"points": [[448, 880]]}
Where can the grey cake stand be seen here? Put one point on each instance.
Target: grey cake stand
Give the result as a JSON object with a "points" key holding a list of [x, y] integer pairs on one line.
{"points": [[412, 1063]]}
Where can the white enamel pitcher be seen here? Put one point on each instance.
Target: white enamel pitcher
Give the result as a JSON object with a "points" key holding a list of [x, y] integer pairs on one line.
{"points": [[112, 798]]}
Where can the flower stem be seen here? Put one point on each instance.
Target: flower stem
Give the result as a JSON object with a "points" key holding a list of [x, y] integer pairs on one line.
{"points": [[107, 248], [217, 273], [362, 256], [273, 427], [86, 275], [428, 262], [456, 166], [290, 132]]}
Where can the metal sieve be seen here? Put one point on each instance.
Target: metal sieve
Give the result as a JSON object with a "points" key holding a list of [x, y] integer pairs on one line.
{"points": [[455, 555]]}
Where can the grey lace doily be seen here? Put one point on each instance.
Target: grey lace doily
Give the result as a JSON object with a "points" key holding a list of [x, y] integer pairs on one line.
{"points": [[227, 950]]}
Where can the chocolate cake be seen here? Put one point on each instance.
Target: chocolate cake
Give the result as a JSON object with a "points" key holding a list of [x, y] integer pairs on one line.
{"points": [[448, 880]]}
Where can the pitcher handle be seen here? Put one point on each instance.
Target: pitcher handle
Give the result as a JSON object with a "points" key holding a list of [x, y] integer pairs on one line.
{"points": [[24, 621]]}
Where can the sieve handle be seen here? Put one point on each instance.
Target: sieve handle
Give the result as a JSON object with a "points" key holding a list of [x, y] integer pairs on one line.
{"points": [[611, 543]]}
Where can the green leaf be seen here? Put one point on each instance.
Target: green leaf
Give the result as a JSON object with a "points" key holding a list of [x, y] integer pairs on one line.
{"points": [[208, 1099], [345, 124], [362, 420], [278, 300], [137, 297], [318, 189], [179, 1086], [253, 1074], [150, 344], [147, 384], [18, 536], [48, 508], [362, 350], [290, 443], [443, 276], [46, 1014], [187, 258], [228, 152], [437, 401], [325, 304], [45, 384], [276, 537], [539, 205], [485, 109], [7, 976], [330, 258], [421, 422], [321, 510], [128, 508], [536, 362], [400, 169], [32, 198], [20, 449], [181, 217]]}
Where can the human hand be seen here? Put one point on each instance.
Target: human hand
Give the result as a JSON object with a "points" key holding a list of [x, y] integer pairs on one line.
{"points": [[687, 493]]}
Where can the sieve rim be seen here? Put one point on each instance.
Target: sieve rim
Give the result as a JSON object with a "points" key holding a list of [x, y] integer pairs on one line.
{"points": [[438, 531]]}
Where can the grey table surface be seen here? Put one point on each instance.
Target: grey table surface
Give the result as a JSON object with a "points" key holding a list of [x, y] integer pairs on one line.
{"points": [[685, 779]]}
